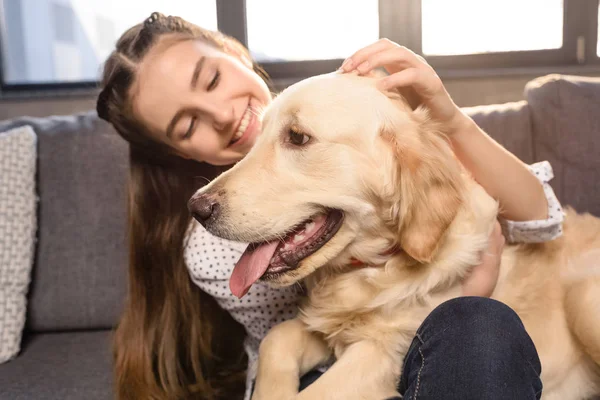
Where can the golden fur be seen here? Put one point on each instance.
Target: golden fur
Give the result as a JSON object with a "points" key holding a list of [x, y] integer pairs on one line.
{"points": [[393, 174]]}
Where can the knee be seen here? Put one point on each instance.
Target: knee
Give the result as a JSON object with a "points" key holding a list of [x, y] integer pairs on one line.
{"points": [[486, 328], [480, 313]]}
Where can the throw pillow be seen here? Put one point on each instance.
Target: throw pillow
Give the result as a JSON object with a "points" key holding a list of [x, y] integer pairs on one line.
{"points": [[17, 233]]}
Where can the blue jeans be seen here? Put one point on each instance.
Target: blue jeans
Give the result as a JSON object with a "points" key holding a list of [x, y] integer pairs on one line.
{"points": [[468, 348]]}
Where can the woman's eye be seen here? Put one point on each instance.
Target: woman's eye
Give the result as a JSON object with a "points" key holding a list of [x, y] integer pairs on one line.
{"points": [[214, 82], [297, 138], [191, 128]]}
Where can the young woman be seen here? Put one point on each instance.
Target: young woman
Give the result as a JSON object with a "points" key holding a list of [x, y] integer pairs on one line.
{"points": [[188, 101]]}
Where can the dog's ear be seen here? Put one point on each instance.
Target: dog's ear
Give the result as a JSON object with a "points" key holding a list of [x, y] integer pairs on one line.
{"points": [[428, 188]]}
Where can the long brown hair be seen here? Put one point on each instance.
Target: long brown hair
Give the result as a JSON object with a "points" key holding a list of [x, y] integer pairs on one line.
{"points": [[173, 341]]}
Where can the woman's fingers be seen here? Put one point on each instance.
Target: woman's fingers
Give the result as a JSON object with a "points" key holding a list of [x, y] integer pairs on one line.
{"points": [[483, 278], [393, 60], [497, 241], [363, 54], [424, 81], [408, 71], [384, 53], [500, 239]]}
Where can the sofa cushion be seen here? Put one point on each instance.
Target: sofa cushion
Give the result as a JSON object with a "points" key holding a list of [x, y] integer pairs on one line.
{"points": [[566, 132], [60, 366], [509, 124], [79, 275]]}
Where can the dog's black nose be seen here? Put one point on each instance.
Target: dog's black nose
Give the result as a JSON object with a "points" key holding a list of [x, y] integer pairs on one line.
{"points": [[203, 208]]}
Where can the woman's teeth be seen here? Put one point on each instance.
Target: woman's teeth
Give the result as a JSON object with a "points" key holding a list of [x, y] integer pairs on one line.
{"points": [[243, 125]]}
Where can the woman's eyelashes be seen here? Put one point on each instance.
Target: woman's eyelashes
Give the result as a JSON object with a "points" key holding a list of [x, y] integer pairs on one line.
{"points": [[214, 81], [191, 128], [193, 121]]}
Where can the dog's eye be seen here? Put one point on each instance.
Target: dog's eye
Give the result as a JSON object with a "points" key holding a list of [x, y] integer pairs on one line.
{"points": [[297, 138]]}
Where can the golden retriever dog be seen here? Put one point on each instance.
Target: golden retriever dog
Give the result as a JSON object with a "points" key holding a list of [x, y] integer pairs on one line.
{"points": [[343, 172]]}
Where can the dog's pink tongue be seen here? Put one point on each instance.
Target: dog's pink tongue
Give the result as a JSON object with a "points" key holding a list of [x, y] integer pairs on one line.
{"points": [[251, 266]]}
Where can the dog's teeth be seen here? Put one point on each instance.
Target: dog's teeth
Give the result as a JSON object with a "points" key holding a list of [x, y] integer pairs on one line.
{"points": [[309, 227], [298, 238]]}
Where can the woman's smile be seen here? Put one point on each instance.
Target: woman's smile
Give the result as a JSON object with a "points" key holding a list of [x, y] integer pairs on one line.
{"points": [[247, 129]]}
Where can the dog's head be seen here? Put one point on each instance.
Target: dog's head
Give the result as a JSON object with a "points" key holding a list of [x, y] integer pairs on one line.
{"points": [[341, 170]]}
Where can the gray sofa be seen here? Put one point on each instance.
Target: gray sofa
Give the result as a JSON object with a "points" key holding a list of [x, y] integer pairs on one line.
{"points": [[79, 277]]}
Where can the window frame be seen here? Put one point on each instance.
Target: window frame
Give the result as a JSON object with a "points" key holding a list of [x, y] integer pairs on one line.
{"points": [[231, 17], [591, 33], [31, 89], [566, 56], [399, 21]]}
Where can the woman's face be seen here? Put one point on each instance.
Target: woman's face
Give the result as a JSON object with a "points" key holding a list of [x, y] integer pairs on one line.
{"points": [[200, 101]]}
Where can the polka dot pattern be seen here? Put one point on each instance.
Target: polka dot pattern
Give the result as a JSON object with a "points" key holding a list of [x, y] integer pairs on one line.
{"points": [[210, 261], [540, 230]]}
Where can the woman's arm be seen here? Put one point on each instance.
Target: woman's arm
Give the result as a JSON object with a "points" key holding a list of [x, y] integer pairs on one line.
{"points": [[523, 198], [505, 177]]}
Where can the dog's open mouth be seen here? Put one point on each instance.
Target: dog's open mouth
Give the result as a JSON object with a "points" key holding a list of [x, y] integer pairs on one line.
{"points": [[268, 259]]}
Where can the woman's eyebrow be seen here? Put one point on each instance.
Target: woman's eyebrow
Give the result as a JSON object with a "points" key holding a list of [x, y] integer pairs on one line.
{"points": [[196, 73]]}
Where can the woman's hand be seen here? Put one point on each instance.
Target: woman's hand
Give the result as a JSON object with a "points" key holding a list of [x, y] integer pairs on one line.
{"points": [[483, 278], [410, 73]]}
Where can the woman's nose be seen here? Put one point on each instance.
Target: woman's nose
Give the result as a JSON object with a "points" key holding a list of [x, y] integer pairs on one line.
{"points": [[223, 117]]}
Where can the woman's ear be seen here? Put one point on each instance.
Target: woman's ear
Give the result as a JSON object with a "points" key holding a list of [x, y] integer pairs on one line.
{"points": [[428, 187]]}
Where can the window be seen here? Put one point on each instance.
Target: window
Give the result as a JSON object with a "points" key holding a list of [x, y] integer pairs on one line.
{"points": [[478, 26], [310, 29], [62, 43], [509, 34], [65, 41]]}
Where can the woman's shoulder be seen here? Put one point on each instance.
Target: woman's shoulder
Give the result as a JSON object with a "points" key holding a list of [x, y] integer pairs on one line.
{"points": [[208, 256]]}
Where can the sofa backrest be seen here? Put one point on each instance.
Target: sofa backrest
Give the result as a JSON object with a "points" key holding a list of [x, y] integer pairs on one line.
{"points": [[79, 276], [560, 122], [509, 124], [565, 114]]}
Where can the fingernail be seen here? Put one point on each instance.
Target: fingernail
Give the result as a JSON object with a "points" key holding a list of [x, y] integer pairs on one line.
{"points": [[347, 64]]}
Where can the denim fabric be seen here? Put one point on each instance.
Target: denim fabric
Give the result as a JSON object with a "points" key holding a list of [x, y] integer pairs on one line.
{"points": [[468, 348], [471, 348]]}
